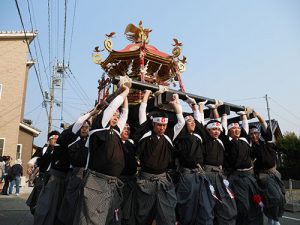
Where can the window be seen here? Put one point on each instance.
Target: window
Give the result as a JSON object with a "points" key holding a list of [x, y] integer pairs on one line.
{"points": [[1, 86], [19, 151], [2, 141]]}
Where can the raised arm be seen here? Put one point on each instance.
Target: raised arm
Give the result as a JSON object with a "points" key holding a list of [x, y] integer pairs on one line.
{"points": [[214, 114], [78, 124], [114, 105], [143, 107], [224, 123], [124, 115], [201, 112], [244, 119], [261, 120], [178, 110], [195, 108]]}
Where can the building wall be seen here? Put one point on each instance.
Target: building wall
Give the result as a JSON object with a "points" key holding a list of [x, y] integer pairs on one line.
{"points": [[13, 77], [26, 139]]}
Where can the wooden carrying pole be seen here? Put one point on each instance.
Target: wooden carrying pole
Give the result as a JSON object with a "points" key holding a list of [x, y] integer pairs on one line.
{"points": [[182, 95]]}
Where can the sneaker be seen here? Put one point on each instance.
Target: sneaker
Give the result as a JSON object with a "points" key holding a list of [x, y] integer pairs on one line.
{"points": [[17, 194]]}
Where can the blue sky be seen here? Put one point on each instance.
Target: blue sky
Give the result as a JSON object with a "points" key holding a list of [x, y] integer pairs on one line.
{"points": [[237, 51]]}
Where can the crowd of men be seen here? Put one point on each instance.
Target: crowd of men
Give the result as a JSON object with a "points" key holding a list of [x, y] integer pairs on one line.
{"points": [[195, 172]]}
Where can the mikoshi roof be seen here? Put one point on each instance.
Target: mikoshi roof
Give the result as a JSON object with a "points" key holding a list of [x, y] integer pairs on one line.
{"points": [[127, 61]]}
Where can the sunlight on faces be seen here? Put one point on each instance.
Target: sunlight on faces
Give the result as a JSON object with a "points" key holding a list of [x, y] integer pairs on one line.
{"points": [[53, 140], [159, 128], [125, 133], [84, 130], [114, 119], [234, 132], [190, 125], [254, 137], [214, 132]]}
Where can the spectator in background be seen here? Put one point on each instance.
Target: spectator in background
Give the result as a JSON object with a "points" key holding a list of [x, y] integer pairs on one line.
{"points": [[2, 167], [6, 175], [16, 173]]}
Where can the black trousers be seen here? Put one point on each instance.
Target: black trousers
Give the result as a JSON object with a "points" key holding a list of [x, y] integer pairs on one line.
{"points": [[6, 185], [156, 199]]}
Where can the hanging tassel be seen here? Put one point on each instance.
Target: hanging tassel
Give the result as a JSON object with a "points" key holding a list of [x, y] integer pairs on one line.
{"points": [[258, 201], [213, 192], [117, 214], [226, 183]]}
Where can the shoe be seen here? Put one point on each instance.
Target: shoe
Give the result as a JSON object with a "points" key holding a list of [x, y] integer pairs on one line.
{"points": [[17, 194]]}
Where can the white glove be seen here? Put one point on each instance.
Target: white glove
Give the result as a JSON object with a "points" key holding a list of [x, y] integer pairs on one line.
{"points": [[125, 80], [218, 103], [241, 113], [211, 106], [161, 89], [176, 98], [190, 100], [202, 104]]}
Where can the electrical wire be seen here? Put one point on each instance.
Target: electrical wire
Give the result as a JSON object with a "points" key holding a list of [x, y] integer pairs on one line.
{"points": [[77, 92], [65, 31], [57, 28], [79, 86], [245, 99], [291, 122], [73, 22], [39, 45], [38, 77], [36, 52], [49, 37], [298, 118], [80, 109], [34, 109]]}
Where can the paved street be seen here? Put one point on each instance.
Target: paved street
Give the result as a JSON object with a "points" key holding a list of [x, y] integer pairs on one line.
{"points": [[14, 211]]}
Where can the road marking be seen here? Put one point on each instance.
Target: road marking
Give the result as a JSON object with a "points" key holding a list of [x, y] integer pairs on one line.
{"points": [[291, 218]]}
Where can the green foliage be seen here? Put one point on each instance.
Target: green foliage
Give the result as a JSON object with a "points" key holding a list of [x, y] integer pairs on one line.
{"points": [[289, 146]]}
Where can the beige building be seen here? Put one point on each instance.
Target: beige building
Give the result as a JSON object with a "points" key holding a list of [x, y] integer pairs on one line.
{"points": [[16, 136]]}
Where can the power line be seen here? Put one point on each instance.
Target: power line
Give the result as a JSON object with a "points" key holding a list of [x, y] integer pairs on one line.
{"points": [[80, 88], [45, 70], [34, 108], [38, 78], [29, 15], [291, 122], [38, 64], [49, 37], [74, 107], [65, 31], [76, 98], [285, 109], [245, 99], [57, 29], [73, 22], [77, 92], [40, 49]]}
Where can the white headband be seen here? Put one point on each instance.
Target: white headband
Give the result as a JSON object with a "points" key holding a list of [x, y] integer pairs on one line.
{"points": [[254, 130], [214, 125], [189, 117], [231, 125], [53, 136], [162, 120]]}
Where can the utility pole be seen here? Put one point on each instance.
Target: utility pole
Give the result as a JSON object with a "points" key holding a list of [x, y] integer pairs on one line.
{"points": [[57, 77], [268, 109], [51, 105]]}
